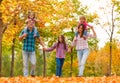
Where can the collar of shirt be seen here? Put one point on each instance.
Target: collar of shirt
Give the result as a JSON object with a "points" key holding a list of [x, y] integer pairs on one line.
{"points": [[29, 29]]}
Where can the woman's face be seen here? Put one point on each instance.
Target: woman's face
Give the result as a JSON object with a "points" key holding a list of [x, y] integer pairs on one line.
{"points": [[80, 29], [60, 39]]}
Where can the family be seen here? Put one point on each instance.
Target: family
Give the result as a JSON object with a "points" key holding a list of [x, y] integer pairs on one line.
{"points": [[30, 33]]}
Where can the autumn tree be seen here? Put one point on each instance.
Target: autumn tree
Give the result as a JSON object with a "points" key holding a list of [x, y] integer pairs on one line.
{"points": [[109, 24], [51, 14], [1, 24]]}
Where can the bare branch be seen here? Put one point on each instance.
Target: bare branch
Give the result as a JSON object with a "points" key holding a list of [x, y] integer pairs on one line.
{"points": [[109, 24], [105, 30], [112, 20]]}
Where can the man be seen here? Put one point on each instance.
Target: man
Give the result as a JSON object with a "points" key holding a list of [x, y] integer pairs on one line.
{"points": [[28, 52]]}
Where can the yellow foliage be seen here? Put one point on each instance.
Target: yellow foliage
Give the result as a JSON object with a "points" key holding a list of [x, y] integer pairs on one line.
{"points": [[101, 58], [46, 11]]}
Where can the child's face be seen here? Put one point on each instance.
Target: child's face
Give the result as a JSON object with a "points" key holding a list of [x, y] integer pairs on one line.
{"points": [[31, 15], [60, 39], [82, 20]]}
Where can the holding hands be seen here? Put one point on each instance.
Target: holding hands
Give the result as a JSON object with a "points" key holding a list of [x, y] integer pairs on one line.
{"points": [[44, 49], [69, 50]]}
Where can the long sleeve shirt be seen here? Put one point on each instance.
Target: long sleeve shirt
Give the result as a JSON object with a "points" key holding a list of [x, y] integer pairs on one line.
{"points": [[80, 42], [60, 51]]}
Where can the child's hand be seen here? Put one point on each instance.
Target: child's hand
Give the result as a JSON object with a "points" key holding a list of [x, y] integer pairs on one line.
{"points": [[44, 49], [27, 20], [91, 27]]}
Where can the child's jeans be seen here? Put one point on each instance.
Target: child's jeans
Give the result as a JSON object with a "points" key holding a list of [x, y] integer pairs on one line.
{"points": [[35, 30], [59, 62], [84, 34]]}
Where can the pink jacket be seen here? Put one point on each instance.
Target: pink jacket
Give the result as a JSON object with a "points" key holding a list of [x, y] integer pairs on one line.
{"points": [[85, 24]]}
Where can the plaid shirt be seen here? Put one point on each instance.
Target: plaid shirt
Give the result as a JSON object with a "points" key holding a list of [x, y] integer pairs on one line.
{"points": [[29, 41], [81, 43]]}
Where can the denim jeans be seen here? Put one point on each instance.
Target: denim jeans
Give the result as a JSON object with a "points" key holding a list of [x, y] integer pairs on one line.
{"points": [[35, 30], [82, 57], [29, 56], [84, 33], [59, 62]]}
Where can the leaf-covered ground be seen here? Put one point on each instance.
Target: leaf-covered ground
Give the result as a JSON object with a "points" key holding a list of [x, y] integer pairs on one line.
{"points": [[112, 79]]}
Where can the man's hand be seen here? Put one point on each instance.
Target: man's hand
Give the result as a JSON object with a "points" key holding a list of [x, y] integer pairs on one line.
{"points": [[24, 35]]}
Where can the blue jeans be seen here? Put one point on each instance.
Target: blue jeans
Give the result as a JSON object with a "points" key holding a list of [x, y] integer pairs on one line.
{"points": [[59, 62], [29, 56], [84, 33], [82, 57], [35, 30]]}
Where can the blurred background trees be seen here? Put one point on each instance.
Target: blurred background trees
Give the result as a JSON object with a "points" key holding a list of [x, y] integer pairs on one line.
{"points": [[56, 17]]}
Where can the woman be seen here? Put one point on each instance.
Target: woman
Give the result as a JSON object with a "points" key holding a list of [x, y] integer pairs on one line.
{"points": [[82, 47], [61, 48]]}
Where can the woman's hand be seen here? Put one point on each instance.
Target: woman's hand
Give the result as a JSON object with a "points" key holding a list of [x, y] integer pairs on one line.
{"points": [[94, 33], [69, 50], [91, 27]]}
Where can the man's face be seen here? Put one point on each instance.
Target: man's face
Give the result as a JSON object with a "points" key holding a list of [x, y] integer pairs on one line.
{"points": [[30, 24]]}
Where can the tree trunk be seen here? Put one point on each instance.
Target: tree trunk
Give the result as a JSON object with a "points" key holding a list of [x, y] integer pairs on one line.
{"points": [[111, 38], [12, 62], [44, 70], [1, 30], [71, 65]]}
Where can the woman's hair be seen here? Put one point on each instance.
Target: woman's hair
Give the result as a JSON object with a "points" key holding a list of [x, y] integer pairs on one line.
{"points": [[83, 27], [63, 41]]}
